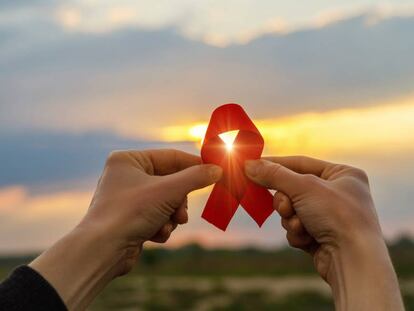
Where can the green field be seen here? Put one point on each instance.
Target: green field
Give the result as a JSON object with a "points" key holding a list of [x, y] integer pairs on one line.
{"points": [[192, 278]]}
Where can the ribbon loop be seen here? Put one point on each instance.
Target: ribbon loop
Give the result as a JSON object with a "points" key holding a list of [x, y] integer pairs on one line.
{"points": [[234, 188]]}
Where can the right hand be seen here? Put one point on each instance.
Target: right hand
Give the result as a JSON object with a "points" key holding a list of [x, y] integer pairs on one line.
{"points": [[328, 211], [327, 206]]}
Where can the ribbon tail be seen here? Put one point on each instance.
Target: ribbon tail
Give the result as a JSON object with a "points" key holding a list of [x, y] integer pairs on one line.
{"points": [[220, 207], [258, 203]]}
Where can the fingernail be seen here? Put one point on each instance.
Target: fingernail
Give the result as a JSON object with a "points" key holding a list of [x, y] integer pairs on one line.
{"points": [[215, 172], [252, 167]]}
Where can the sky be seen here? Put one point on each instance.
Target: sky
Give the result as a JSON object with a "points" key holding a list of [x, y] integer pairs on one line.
{"points": [[80, 78]]}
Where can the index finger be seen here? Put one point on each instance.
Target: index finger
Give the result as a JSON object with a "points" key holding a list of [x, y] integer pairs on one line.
{"points": [[302, 164], [165, 161]]}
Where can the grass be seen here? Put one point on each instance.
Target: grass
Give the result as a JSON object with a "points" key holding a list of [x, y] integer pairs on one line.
{"points": [[193, 278]]}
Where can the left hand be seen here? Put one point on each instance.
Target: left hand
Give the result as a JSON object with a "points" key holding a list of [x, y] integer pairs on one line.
{"points": [[142, 196]]}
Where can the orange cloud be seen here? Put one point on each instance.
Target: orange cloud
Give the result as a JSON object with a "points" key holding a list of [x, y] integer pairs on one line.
{"points": [[11, 196], [384, 128], [34, 222]]}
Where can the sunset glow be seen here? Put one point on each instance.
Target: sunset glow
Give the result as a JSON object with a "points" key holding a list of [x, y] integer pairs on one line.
{"points": [[79, 79], [338, 131], [198, 131]]}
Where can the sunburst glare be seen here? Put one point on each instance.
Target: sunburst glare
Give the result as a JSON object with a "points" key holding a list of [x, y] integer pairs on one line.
{"points": [[228, 138]]}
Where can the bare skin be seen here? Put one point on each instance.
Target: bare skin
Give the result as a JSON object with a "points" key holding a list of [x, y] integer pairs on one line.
{"points": [[327, 211], [141, 196]]}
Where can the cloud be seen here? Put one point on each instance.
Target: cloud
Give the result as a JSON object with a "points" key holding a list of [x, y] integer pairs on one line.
{"points": [[48, 179], [50, 161], [34, 222], [88, 19], [10, 197], [68, 97], [353, 131], [115, 81], [216, 22], [219, 23]]}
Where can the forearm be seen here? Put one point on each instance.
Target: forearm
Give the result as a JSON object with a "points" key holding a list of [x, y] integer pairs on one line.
{"points": [[362, 277], [79, 266]]}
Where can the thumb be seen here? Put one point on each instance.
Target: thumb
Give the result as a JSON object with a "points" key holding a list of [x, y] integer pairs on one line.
{"points": [[195, 177], [274, 176]]}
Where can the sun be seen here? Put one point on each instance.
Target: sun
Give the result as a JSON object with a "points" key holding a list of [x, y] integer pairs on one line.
{"points": [[228, 138], [198, 131]]}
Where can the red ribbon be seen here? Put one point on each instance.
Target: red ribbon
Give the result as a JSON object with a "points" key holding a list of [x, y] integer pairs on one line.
{"points": [[234, 188]]}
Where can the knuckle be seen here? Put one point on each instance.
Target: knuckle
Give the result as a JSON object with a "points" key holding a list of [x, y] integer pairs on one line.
{"points": [[353, 171], [174, 154], [280, 196], [205, 175], [360, 173], [292, 240], [295, 224], [286, 211], [282, 204], [205, 170], [310, 180], [115, 157], [270, 172]]}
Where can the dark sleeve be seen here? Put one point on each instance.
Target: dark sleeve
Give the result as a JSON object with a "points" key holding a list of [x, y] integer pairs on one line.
{"points": [[25, 289]]}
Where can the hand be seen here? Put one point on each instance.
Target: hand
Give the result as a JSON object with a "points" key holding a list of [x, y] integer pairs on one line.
{"points": [[328, 211], [141, 196], [327, 205]]}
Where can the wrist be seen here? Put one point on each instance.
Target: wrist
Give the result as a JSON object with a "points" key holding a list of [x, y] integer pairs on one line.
{"points": [[361, 275], [80, 265]]}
